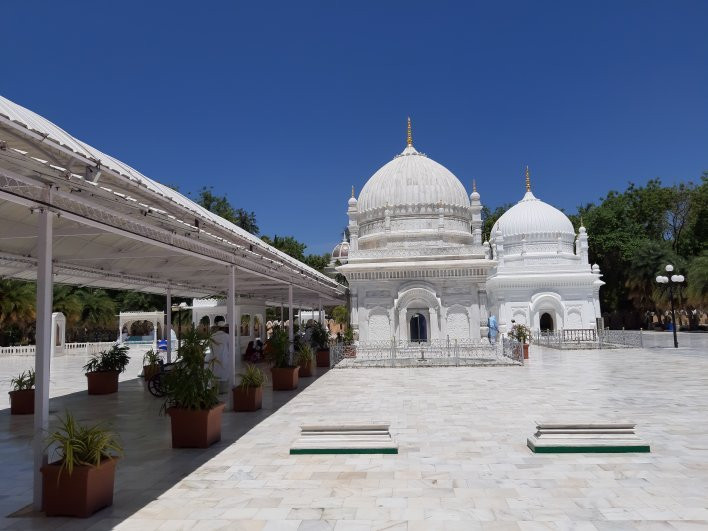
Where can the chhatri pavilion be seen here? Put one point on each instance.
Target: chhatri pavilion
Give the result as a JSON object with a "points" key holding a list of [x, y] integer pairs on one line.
{"points": [[419, 270]]}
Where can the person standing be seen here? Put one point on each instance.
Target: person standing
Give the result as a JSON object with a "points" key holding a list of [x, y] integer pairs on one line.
{"points": [[493, 329], [221, 354]]}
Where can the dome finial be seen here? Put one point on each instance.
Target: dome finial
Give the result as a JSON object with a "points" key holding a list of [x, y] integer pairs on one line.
{"points": [[410, 133], [352, 191], [528, 179], [474, 185]]}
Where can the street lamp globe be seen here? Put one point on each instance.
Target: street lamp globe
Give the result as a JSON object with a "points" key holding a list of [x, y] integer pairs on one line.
{"points": [[669, 268]]}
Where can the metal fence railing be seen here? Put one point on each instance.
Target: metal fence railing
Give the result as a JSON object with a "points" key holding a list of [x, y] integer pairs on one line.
{"points": [[589, 338], [395, 353]]}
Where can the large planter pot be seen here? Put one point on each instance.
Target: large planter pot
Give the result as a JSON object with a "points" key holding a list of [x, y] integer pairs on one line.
{"points": [[323, 357], [248, 399], [102, 383], [149, 371], [195, 428], [85, 491], [526, 351], [22, 402], [307, 369], [285, 379]]}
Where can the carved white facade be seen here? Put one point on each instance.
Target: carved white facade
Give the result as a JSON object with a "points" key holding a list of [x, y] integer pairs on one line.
{"points": [[418, 270]]}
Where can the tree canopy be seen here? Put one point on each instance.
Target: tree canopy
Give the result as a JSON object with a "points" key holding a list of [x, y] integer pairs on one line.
{"points": [[296, 249], [221, 206]]}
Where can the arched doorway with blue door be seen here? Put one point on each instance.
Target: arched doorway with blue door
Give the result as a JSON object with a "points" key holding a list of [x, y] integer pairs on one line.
{"points": [[418, 328]]}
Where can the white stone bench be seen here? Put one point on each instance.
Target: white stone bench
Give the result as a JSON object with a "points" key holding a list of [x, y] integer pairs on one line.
{"points": [[589, 437], [344, 439]]}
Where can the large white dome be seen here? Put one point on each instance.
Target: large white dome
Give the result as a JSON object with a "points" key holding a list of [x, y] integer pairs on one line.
{"points": [[412, 179]]}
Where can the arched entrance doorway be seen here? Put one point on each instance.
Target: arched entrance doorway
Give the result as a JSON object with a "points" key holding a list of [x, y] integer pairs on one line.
{"points": [[418, 328], [546, 323]]}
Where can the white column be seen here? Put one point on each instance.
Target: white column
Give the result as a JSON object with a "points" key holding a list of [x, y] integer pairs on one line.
{"points": [[237, 333], [168, 323], [291, 334], [320, 316], [43, 350], [434, 331], [403, 324], [231, 320], [154, 336]]}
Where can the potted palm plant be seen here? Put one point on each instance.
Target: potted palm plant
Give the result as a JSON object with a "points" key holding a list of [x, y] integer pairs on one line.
{"points": [[151, 364], [305, 359], [22, 394], [248, 395], [521, 333], [80, 481], [192, 395], [103, 369], [285, 374], [320, 341]]}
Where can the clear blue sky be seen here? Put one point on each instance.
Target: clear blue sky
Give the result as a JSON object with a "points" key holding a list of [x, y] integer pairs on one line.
{"points": [[283, 106]]}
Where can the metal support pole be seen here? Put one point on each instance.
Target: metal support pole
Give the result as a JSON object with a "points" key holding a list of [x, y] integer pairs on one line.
{"points": [[231, 320], [321, 317], [168, 323], [291, 334], [43, 350], [673, 314]]}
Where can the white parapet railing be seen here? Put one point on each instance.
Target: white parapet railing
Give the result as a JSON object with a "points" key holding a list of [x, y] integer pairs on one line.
{"points": [[71, 349]]}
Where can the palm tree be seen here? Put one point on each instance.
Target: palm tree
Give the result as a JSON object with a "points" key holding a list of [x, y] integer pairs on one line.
{"points": [[17, 305], [97, 308], [66, 300], [648, 262], [697, 281]]}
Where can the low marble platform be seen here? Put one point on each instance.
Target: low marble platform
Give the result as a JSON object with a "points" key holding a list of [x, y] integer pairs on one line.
{"points": [[586, 438], [345, 439]]}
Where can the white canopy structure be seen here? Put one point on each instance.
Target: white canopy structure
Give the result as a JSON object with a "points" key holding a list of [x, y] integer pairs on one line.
{"points": [[74, 215]]}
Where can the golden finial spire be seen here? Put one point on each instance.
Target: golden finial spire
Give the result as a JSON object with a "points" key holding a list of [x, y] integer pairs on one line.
{"points": [[528, 180], [410, 133], [352, 191], [474, 185]]}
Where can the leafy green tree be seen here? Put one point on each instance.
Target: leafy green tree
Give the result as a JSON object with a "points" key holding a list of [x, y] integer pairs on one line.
{"points": [[135, 301], [318, 261], [490, 217], [17, 306], [288, 245], [221, 206], [340, 314], [648, 262]]}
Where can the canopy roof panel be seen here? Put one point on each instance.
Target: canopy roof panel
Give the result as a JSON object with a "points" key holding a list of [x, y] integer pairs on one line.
{"points": [[113, 219]]}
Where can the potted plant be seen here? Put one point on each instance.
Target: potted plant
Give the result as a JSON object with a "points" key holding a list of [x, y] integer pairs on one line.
{"points": [[103, 369], [80, 481], [151, 364], [192, 395], [305, 359], [22, 394], [521, 333], [248, 395], [285, 374], [320, 341]]}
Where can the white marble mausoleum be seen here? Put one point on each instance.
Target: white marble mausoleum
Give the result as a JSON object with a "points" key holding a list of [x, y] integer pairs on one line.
{"points": [[418, 269]]}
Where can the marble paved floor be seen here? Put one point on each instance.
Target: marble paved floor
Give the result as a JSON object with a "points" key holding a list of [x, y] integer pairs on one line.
{"points": [[463, 461]]}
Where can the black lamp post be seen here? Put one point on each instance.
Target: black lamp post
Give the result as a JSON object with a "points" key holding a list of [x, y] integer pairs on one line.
{"points": [[675, 279]]}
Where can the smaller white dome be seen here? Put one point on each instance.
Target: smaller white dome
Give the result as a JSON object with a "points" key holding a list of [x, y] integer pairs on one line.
{"points": [[532, 216]]}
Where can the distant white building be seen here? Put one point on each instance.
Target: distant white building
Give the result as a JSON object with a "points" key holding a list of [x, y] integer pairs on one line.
{"points": [[418, 269]]}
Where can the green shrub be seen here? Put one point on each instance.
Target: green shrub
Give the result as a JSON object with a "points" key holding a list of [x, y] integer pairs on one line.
{"points": [[151, 358], [304, 356], [279, 354], [82, 445], [252, 377], [191, 382], [24, 381], [114, 359]]}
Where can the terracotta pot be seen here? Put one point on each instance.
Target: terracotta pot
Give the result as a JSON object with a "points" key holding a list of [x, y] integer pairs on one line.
{"points": [[285, 379], [195, 428], [323, 357], [102, 383], [526, 351], [85, 491], [22, 402], [149, 371], [307, 370], [248, 399]]}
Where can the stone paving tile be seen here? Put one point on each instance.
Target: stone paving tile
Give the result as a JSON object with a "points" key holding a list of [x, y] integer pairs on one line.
{"points": [[462, 463]]}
